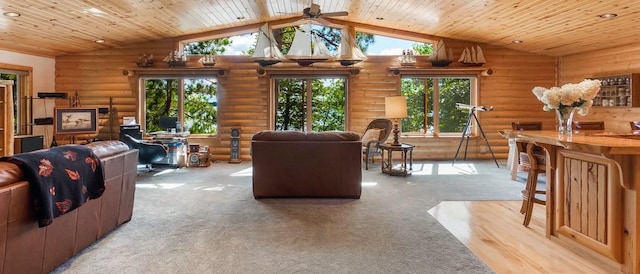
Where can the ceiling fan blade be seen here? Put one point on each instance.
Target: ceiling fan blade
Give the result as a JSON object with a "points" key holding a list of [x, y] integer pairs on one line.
{"points": [[338, 13], [322, 21]]}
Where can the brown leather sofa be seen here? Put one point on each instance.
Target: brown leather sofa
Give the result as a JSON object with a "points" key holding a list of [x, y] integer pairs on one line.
{"points": [[26, 248], [312, 164]]}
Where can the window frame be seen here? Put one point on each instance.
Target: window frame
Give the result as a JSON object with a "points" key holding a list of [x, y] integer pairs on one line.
{"points": [[276, 75], [23, 97], [142, 107], [474, 86]]}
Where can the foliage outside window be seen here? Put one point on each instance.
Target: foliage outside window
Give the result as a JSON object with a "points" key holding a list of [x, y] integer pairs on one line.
{"points": [[431, 105], [312, 101], [199, 103]]}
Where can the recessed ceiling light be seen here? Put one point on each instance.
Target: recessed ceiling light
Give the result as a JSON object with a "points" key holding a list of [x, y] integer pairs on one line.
{"points": [[12, 14], [99, 41], [608, 15], [517, 41], [379, 18]]}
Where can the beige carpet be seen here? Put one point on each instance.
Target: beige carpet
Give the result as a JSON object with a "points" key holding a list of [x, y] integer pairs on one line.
{"points": [[205, 220]]}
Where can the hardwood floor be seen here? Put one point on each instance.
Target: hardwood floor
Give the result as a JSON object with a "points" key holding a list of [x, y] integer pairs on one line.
{"points": [[493, 230]]}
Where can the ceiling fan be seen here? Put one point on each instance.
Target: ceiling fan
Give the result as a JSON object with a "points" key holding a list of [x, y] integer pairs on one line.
{"points": [[314, 12]]}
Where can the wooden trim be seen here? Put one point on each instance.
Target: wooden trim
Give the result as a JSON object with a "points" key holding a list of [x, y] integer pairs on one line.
{"points": [[389, 32], [329, 22]]}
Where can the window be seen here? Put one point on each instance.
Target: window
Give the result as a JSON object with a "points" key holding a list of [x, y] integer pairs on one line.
{"points": [[20, 92], [192, 100], [431, 104], [310, 104]]}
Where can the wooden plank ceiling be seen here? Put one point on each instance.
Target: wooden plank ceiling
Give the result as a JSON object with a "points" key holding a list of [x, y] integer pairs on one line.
{"points": [[549, 27]]}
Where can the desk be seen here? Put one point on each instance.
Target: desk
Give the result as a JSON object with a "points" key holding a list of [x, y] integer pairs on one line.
{"points": [[592, 197], [387, 162], [176, 154]]}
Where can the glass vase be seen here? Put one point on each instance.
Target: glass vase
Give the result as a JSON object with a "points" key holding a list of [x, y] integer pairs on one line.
{"points": [[565, 119]]}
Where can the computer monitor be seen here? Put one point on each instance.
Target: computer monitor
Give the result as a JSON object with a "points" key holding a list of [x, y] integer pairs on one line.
{"points": [[167, 123]]}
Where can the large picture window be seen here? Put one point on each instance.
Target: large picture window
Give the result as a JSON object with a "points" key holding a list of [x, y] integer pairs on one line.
{"points": [[192, 100], [431, 104], [310, 104]]}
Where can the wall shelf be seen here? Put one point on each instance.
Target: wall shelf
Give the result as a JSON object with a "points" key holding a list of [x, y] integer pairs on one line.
{"points": [[174, 71], [294, 70], [484, 71], [618, 91]]}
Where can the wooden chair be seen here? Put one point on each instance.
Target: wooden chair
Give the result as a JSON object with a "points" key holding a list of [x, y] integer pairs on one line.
{"points": [[529, 193], [520, 160], [635, 125], [591, 125], [371, 146]]}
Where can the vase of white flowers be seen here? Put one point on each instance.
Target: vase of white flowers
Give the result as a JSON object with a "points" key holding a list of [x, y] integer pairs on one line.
{"points": [[565, 119], [566, 100]]}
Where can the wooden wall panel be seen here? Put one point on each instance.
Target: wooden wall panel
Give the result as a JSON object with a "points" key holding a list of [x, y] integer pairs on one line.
{"points": [[574, 68], [244, 95]]}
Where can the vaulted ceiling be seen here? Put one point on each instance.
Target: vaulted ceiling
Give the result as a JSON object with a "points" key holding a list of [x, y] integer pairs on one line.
{"points": [[548, 27]]}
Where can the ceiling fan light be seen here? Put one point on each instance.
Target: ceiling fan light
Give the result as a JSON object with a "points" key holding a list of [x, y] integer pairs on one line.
{"points": [[608, 15], [11, 14]]}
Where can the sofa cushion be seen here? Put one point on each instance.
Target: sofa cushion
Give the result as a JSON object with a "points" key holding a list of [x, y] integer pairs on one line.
{"points": [[10, 173], [107, 148], [372, 134]]}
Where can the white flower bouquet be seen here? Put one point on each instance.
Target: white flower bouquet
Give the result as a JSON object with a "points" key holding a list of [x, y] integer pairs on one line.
{"points": [[579, 96]]}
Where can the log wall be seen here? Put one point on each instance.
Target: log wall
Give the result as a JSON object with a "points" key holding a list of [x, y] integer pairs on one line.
{"points": [[620, 60], [244, 95]]}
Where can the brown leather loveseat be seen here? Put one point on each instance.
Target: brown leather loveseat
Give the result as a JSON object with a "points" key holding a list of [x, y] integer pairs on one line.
{"points": [[27, 248], [306, 164]]}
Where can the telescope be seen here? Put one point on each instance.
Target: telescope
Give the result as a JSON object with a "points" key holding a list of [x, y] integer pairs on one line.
{"points": [[466, 133], [470, 107]]}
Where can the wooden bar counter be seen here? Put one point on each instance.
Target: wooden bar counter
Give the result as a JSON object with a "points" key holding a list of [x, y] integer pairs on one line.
{"points": [[592, 202]]}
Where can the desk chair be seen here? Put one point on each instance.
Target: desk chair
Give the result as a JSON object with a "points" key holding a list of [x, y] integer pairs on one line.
{"points": [[148, 153], [592, 125], [521, 160]]}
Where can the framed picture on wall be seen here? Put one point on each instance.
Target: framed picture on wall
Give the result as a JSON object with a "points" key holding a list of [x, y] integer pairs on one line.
{"points": [[75, 120]]}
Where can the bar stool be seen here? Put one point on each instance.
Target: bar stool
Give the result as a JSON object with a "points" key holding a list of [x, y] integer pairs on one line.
{"points": [[529, 193], [520, 159]]}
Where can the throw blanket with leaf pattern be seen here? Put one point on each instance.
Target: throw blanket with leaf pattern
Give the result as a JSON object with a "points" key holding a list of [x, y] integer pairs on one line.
{"points": [[60, 179]]}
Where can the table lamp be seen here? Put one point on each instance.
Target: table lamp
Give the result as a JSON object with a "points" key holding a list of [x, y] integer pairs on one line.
{"points": [[395, 108]]}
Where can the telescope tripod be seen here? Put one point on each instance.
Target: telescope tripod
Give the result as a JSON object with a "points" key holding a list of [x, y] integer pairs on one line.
{"points": [[466, 133]]}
